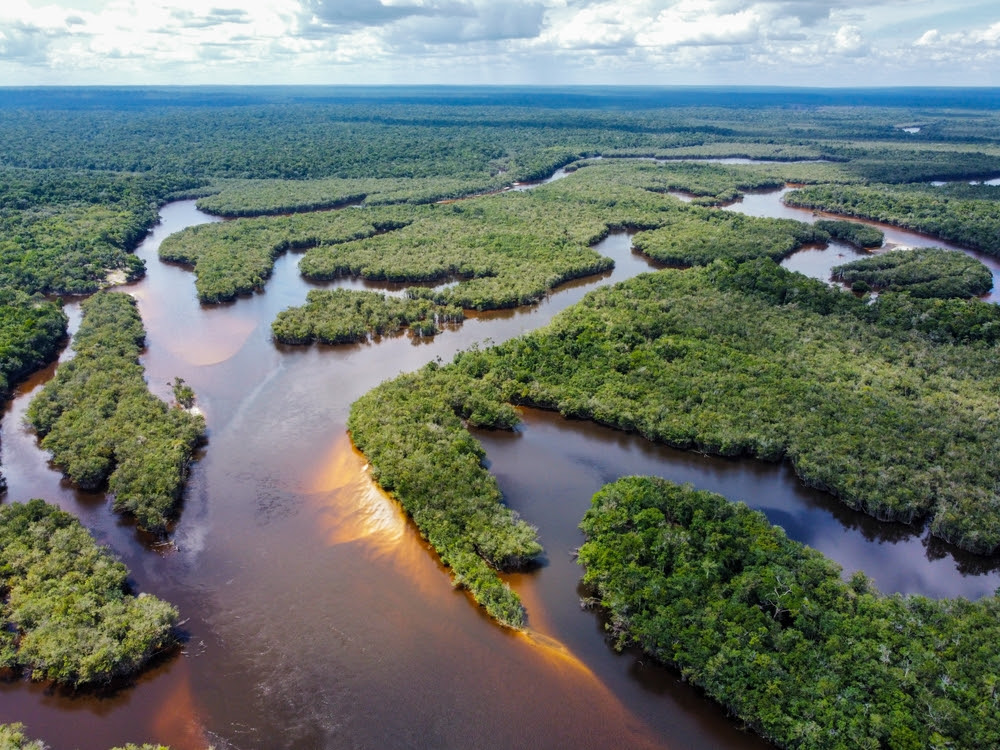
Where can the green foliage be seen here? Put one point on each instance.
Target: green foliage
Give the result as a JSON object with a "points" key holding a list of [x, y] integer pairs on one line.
{"points": [[852, 232], [754, 360], [924, 272], [717, 184], [66, 612], [236, 257], [102, 424], [508, 250], [65, 232], [341, 316], [700, 236], [12, 737], [31, 331], [940, 320], [973, 223], [183, 393], [882, 163], [412, 433], [264, 197], [766, 626]]}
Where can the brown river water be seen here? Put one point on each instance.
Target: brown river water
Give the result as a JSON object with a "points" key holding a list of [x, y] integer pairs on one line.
{"points": [[317, 617]]}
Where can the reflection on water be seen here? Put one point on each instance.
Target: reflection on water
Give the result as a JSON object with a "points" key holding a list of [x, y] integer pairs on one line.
{"points": [[316, 615]]}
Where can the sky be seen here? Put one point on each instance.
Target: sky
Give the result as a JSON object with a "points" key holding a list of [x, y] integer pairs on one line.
{"points": [[534, 42]]}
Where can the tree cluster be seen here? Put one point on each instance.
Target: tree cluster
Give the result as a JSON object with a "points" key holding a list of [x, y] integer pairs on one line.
{"points": [[854, 233], [412, 430], [924, 272], [972, 223], [341, 316], [895, 420], [66, 613], [767, 627], [102, 425]]}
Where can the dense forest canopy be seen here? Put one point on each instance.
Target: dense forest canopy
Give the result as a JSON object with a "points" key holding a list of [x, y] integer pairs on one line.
{"points": [[890, 403], [767, 627], [102, 425], [66, 611], [924, 272], [873, 403]]}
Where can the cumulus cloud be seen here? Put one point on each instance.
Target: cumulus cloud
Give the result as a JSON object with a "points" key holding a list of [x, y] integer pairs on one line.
{"points": [[974, 39], [24, 43], [848, 41], [540, 41], [361, 12], [473, 23]]}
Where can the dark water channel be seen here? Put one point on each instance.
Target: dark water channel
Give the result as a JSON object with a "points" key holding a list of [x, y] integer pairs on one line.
{"points": [[317, 618], [817, 261]]}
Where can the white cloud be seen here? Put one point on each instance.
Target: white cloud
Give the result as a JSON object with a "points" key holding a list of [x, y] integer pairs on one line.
{"points": [[848, 41], [522, 41]]}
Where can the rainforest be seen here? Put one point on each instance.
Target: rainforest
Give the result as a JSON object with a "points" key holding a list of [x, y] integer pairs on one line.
{"points": [[462, 417]]}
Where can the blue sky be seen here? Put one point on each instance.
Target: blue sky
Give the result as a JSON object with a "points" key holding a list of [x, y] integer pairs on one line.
{"points": [[651, 42]]}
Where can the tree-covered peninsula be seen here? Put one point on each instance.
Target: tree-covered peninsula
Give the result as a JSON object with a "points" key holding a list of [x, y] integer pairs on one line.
{"points": [[102, 425], [69, 232], [731, 359], [924, 272], [862, 236], [970, 222], [66, 612], [413, 431], [767, 627], [31, 331], [504, 250]]}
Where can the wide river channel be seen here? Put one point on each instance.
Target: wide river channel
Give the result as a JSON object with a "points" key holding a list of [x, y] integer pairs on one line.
{"points": [[315, 615]]}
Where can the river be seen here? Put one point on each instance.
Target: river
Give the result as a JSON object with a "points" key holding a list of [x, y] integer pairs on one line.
{"points": [[317, 617], [817, 261]]}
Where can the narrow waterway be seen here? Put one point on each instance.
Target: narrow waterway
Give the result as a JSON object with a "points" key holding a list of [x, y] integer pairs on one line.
{"points": [[317, 617], [818, 261]]}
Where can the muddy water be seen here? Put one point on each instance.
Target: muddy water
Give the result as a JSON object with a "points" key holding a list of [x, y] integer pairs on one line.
{"points": [[317, 616], [817, 261]]}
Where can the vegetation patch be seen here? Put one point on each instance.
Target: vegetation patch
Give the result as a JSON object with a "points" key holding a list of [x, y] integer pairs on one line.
{"points": [[263, 197], [237, 257], [13, 737], [102, 424], [341, 316], [924, 272], [972, 222], [31, 331], [718, 184], [63, 232], [873, 403], [767, 627], [854, 233], [65, 608], [411, 429], [507, 251], [699, 236]]}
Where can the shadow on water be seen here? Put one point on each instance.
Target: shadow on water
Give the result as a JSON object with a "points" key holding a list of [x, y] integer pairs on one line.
{"points": [[318, 617]]}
